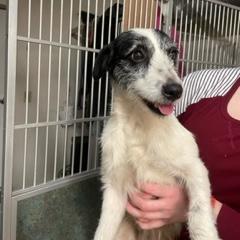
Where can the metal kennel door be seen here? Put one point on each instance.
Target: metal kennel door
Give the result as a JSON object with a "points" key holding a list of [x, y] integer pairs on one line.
{"points": [[54, 110]]}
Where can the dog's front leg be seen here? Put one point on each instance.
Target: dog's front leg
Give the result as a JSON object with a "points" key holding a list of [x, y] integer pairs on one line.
{"points": [[201, 222], [113, 209]]}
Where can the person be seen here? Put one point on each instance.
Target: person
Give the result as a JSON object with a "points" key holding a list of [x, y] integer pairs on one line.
{"points": [[210, 109]]}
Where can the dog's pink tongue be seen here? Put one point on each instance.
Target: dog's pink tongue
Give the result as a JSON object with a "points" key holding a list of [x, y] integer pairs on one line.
{"points": [[166, 109]]}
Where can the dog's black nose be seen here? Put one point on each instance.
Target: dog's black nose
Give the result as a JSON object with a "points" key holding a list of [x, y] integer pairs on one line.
{"points": [[172, 91]]}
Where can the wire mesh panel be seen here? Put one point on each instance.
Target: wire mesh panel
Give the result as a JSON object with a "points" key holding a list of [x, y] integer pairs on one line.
{"points": [[206, 31], [59, 109], [207, 34], [211, 37]]}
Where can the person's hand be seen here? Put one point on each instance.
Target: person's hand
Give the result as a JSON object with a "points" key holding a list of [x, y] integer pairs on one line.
{"points": [[217, 206], [157, 205]]}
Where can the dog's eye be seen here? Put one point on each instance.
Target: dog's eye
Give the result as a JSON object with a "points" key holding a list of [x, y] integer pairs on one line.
{"points": [[173, 53], [137, 56]]}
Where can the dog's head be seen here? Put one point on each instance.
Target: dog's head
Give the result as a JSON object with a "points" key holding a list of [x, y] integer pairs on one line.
{"points": [[143, 61]]}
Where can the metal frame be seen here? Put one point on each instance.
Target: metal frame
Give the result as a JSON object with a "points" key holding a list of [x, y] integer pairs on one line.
{"points": [[224, 4], [9, 117], [169, 14], [25, 194], [191, 40]]}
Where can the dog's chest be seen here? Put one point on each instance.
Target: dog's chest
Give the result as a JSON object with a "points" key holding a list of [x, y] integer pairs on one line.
{"points": [[152, 151]]}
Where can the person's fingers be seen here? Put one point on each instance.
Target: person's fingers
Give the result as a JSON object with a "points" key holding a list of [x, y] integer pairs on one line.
{"points": [[143, 220], [136, 213], [156, 215], [151, 224], [145, 195], [147, 204], [160, 191]]}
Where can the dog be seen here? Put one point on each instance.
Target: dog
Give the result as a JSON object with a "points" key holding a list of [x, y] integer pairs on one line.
{"points": [[142, 140]]}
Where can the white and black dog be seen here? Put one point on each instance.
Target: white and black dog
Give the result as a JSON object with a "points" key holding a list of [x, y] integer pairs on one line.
{"points": [[143, 141]]}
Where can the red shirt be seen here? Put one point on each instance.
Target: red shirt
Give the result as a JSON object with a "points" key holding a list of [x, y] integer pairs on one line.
{"points": [[218, 138]]}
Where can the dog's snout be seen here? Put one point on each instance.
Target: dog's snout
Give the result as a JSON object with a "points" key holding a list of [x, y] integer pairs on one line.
{"points": [[172, 91]]}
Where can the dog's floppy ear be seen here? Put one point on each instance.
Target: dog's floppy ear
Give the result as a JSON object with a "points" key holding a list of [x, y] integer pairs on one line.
{"points": [[103, 62]]}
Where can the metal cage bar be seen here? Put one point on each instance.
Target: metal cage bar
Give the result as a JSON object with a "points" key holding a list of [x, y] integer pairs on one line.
{"points": [[9, 117], [58, 90]]}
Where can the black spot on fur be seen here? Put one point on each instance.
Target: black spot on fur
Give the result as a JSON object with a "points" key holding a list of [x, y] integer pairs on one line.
{"points": [[167, 45], [117, 58]]}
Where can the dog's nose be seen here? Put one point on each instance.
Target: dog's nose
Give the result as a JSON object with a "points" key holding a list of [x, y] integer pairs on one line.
{"points": [[172, 91]]}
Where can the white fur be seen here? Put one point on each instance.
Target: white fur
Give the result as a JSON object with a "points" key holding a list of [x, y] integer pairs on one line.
{"points": [[140, 146]]}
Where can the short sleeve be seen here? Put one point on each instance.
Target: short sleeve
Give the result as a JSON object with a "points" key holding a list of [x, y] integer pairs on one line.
{"points": [[228, 223]]}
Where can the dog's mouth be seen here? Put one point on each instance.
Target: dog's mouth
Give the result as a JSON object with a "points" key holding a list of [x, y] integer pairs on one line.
{"points": [[162, 109]]}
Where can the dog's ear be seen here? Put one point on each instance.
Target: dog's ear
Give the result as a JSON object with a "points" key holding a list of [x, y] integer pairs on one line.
{"points": [[103, 62]]}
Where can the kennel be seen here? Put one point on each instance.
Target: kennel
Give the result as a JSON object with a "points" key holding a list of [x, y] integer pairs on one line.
{"points": [[54, 111]]}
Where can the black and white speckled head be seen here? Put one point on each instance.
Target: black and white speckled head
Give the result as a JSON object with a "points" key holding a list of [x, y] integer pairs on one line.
{"points": [[142, 61]]}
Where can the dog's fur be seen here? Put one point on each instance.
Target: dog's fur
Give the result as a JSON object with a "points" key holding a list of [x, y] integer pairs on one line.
{"points": [[141, 144]]}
